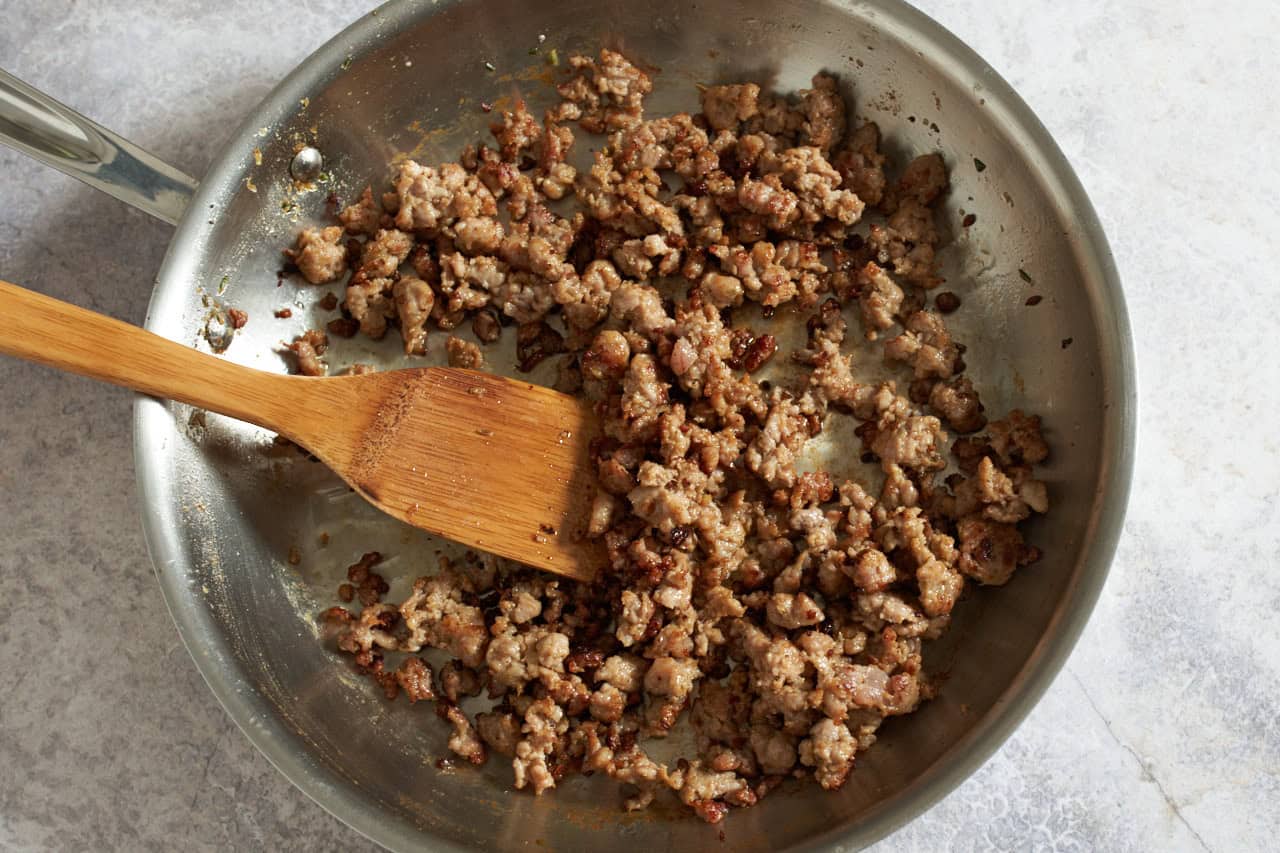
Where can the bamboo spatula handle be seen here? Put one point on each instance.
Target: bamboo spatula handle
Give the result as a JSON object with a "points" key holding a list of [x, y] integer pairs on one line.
{"points": [[46, 330], [495, 463]]}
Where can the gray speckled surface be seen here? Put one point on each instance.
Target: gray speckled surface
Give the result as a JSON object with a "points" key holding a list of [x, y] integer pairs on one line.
{"points": [[1161, 733]]}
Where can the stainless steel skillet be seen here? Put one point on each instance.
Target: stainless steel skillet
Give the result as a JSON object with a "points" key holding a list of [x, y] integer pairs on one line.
{"points": [[222, 517]]}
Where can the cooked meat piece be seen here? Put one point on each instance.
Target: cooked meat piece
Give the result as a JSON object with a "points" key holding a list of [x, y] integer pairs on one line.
{"points": [[671, 677], [458, 682], [823, 108], [500, 731], [633, 620], [911, 442], [430, 199], [793, 611], [775, 116], [414, 300], [414, 678], [478, 235], [907, 244], [924, 179], [463, 353], [466, 283], [308, 347], [927, 346], [726, 107], [957, 402], [536, 341], [861, 165], [464, 740], [363, 217], [320, 255], [940, 587], [486, 326], [370, 303], [436, 615], [829, 749], [625, 672], [990, 552], [608, 93], [772, 453], [608, 704], [383, 255], [880, 299], [517, 132], [543, 727], [584, 300], [608, 356], [815, 184], [872, 571], [1017, 439]]}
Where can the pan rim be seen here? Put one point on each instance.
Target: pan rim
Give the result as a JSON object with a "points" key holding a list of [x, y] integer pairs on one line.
{"points": [[270, 734]]}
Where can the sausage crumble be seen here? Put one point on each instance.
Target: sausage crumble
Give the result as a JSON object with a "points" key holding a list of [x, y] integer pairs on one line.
{"points": [[780, 611]]}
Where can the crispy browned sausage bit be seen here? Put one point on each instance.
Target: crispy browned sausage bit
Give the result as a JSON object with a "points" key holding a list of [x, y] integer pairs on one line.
{"points": [[463, 353], [779, 611], [307, 349]]}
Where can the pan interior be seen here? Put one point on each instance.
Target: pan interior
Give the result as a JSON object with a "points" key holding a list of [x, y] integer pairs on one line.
{"points": [[225, 512]]}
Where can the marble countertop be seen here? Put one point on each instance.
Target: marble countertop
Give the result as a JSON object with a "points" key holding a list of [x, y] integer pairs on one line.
{"points": [[1161, 733]]}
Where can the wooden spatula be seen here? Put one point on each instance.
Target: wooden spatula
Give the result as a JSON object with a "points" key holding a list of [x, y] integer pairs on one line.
{"points": [[486, 461]]}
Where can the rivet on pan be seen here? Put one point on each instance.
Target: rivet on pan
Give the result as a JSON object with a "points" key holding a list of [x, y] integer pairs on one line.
{"points": [[306, 165]]}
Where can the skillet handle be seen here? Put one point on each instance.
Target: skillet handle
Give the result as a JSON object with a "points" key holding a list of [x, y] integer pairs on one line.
{"points": [[58, 136]]}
